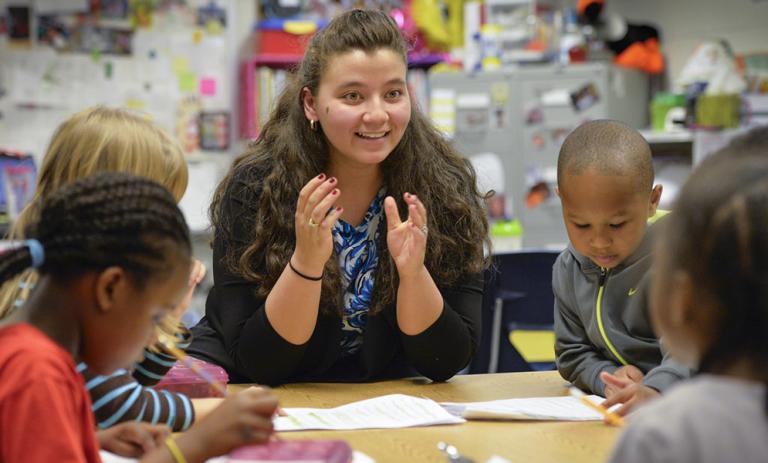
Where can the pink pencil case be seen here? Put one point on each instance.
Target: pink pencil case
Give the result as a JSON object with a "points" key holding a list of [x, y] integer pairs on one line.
{"points": [[298, 451], [180, 378]]}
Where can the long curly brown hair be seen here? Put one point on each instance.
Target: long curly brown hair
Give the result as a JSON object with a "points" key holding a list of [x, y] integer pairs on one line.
{"points": [[288, 153]]}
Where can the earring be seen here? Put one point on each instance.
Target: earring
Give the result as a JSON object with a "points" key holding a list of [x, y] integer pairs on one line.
{"points": [[313, 125]]}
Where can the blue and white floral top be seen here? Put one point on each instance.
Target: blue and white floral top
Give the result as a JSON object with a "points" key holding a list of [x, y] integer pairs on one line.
{"points": [[358, 255]]}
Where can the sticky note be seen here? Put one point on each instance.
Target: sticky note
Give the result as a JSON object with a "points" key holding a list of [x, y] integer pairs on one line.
{"points": [[197, 36], [134, 103], [213, 27], [187, 82], [207, 86], [180, 65]]}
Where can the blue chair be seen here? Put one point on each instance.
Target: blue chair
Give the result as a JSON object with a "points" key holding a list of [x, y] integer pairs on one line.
{"points": [[518, 304]]}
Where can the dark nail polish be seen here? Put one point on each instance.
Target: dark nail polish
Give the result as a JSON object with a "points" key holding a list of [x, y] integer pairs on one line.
{"points": [[321, 176], [334, 192], [332, 180]]}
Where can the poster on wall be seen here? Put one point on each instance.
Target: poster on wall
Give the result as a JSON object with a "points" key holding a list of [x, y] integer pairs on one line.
{"points": [[106, 40], [110, 9], [52, 31], [212, 16], [214, 130], [60, 6], [175, 72], [19, 26]]}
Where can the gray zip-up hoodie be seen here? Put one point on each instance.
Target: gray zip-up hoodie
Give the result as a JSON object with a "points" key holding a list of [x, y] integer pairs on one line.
{"points": [[602, 321]]}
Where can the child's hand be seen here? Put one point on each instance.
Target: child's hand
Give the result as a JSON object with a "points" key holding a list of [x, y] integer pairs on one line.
{"points": [[407, 241], [630, 396], [204, 406], [132, 439], [621, 378], [196, 275], [243, 418]]}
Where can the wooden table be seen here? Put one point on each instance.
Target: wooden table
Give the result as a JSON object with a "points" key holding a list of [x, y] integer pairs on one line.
{"points": [[572, 442]]}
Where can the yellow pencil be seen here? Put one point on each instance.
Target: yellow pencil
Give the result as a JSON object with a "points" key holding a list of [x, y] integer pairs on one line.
{"points": [[170, 346], [609, 416]]}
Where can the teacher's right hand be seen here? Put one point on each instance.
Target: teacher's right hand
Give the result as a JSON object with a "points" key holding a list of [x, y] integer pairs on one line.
{"points": [[315, 216]]}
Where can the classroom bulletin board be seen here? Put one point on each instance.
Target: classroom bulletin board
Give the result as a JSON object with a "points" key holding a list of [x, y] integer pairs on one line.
{"points": [[172, 60]]}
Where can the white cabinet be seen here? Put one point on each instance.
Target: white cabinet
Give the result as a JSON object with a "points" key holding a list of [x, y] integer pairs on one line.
{"points": [[523, 116]]}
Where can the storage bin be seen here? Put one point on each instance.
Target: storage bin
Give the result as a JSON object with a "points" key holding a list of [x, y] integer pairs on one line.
{"points": [[285, 37], [180, 378]]}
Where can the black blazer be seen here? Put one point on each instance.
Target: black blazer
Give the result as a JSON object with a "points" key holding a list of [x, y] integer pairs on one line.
{"points": [[236, 334]]}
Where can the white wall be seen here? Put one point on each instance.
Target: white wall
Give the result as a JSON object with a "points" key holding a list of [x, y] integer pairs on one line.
{"points": [[685, 23]]}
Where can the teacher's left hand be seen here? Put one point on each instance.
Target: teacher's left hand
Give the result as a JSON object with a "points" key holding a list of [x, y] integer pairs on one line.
{"points": [[407, 241]]}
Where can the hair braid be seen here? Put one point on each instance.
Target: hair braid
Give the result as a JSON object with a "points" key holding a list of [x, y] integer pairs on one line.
{"points": [[14, 261], [104, 220]]}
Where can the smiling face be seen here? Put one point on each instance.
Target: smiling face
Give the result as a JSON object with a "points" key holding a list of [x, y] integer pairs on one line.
{"points": [[362, 105], [605, 215]]}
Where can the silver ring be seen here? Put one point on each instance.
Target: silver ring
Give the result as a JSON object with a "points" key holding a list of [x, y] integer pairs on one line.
{"points": [[312, 223], [424, 229]]}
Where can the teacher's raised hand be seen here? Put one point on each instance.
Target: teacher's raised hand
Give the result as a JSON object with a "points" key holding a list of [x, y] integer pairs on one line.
{"points": [[315, 216], [407, 240]]}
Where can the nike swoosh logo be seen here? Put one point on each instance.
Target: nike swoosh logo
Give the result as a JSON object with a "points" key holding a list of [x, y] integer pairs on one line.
{"points": [[632, 291]]}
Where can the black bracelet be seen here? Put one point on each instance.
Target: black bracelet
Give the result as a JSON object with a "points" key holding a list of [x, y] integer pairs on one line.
{"points": [[306, 277]]}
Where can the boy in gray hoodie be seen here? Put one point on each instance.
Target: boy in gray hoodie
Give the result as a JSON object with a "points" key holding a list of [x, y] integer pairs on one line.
{"points": [[603, 337]]}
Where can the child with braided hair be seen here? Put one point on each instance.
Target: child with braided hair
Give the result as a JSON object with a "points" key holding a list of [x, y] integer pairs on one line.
{"points": [[102, 139], [113, 256]]}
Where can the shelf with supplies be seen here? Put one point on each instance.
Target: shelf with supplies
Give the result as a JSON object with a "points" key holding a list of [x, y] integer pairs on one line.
{"points": [[659, 137], [695, 144], [677, 153], [263, 76], [670, 144]]}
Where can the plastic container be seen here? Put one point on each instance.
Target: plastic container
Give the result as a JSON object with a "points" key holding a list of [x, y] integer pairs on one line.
{"points": [[314, 451], [180, 378], [718, 111], [285, 37], [506, 236], [661, 104]]}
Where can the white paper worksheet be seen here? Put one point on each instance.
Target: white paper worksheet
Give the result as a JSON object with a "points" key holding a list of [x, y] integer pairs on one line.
{"points": [[565, 408], [388, 411]]}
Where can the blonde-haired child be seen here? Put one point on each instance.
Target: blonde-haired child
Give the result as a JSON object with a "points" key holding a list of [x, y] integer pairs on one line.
{"points": [[101, 139], [97, 139]]}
